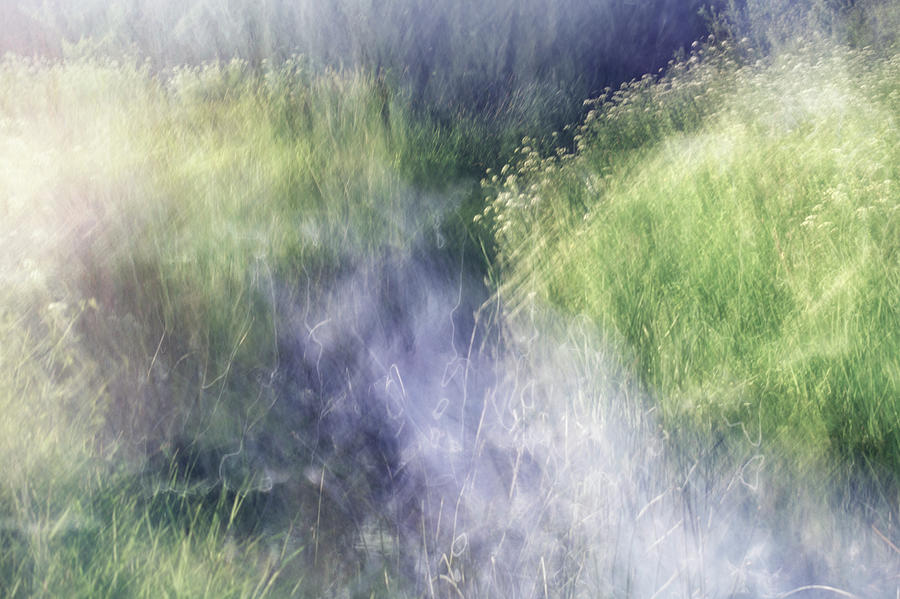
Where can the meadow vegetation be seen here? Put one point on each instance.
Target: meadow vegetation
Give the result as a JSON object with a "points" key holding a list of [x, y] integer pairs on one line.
{"points": [[736, 225], [181, 219], [155, 230]]}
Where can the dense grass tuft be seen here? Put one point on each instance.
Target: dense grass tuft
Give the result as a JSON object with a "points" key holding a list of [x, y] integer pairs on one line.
{"points": [[737, 227]]}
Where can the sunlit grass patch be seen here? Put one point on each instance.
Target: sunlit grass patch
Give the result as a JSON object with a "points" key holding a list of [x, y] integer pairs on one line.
{"points": [[153, 227], [747, 256]]}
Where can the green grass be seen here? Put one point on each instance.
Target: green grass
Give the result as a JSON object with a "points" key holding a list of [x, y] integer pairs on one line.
{"points": [[713, 249], [736, 227], [149, 223], [452, 56]]}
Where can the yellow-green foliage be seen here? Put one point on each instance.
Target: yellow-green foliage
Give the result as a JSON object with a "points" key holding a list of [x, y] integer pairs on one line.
{"points": [[170, 204], [738, 228], [732, 226], [144, 223]]}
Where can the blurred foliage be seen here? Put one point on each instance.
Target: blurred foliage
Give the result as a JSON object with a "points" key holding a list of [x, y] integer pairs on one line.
{"points": [[462, 56], [188, 191], [736, 225]]}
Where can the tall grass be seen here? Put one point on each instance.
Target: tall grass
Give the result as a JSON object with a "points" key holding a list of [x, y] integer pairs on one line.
{"points": [[479, 59], [242, 349], [153, 228], [736, 228]]}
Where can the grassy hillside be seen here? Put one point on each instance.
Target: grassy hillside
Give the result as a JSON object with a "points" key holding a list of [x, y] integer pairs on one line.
{"points": [[736, 225], [262, 333], [156, 233]]}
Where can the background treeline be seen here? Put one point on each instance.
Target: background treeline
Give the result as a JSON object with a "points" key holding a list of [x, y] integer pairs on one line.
{"points": [[467, 56], [504, 62]]}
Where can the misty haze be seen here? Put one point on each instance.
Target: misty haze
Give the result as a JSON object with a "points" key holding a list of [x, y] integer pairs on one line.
{"points": [[450, 299]]}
